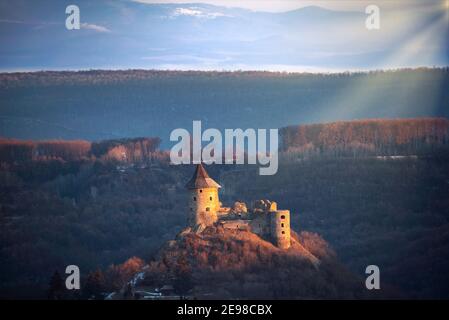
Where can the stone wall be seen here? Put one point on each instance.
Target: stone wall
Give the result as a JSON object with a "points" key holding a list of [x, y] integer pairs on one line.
{"points": [[203, 206], [280, 228], [260, 224]]}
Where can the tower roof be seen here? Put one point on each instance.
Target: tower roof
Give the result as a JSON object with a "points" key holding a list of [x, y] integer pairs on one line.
{"points": [[201, 179]]}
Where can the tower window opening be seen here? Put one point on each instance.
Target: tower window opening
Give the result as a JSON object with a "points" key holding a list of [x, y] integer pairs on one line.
{"points": [[210, 198], [282, 225], [282, 217], [201, 190], [283, 232], [207, 209], [194, 198]]}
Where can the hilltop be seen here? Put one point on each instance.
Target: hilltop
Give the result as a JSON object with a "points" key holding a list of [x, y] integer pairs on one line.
{"points": [[223, 264]]}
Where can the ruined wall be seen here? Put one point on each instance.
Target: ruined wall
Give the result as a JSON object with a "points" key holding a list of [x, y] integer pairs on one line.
{"points": [[261, 221], [280, 228], [265, 205], [260, 224], [264, 220], [203, 206], [236, 224]]}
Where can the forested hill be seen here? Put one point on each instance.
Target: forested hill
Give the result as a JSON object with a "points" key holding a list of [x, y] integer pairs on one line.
{"points": [[121, 150], [65, 202], [369, 137], [98, 105], [358, 138]]}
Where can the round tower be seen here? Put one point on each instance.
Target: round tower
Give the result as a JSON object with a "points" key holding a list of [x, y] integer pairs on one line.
{"points": [[203, 198], [280, 228]]}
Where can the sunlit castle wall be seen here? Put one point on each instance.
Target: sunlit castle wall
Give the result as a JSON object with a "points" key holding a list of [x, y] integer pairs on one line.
{"points": [[203, 206], [280, 228]]}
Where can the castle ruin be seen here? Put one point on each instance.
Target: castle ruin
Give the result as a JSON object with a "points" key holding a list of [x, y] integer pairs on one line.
{"points": [[263, 219]]}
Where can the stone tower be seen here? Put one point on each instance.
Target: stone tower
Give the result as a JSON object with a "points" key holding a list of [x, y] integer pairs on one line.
{"points": [[203, 202], [280, 228]]}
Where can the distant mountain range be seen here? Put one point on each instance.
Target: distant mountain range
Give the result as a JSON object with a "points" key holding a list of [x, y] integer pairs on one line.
{"points": [[128, 34]]}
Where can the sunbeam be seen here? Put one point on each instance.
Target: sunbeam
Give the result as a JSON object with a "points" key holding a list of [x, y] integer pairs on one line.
{"points": [[357, 97]]}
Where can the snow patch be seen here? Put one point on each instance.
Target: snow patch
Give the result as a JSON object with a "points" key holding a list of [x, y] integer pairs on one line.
{"points": [[197, 13]]}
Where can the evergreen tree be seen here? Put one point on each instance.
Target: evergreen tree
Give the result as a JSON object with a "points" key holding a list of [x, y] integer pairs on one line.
{"points": [[56, 287], [95, 285], [183, 283], [129, 292]]}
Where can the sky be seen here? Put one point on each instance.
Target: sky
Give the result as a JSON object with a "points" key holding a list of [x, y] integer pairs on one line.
{"points": [[282, 35]]}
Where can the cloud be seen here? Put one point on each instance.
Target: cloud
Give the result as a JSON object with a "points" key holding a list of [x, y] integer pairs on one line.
{"points": [[94, 27], [196, 12], [176, 58], [248, 67]]}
